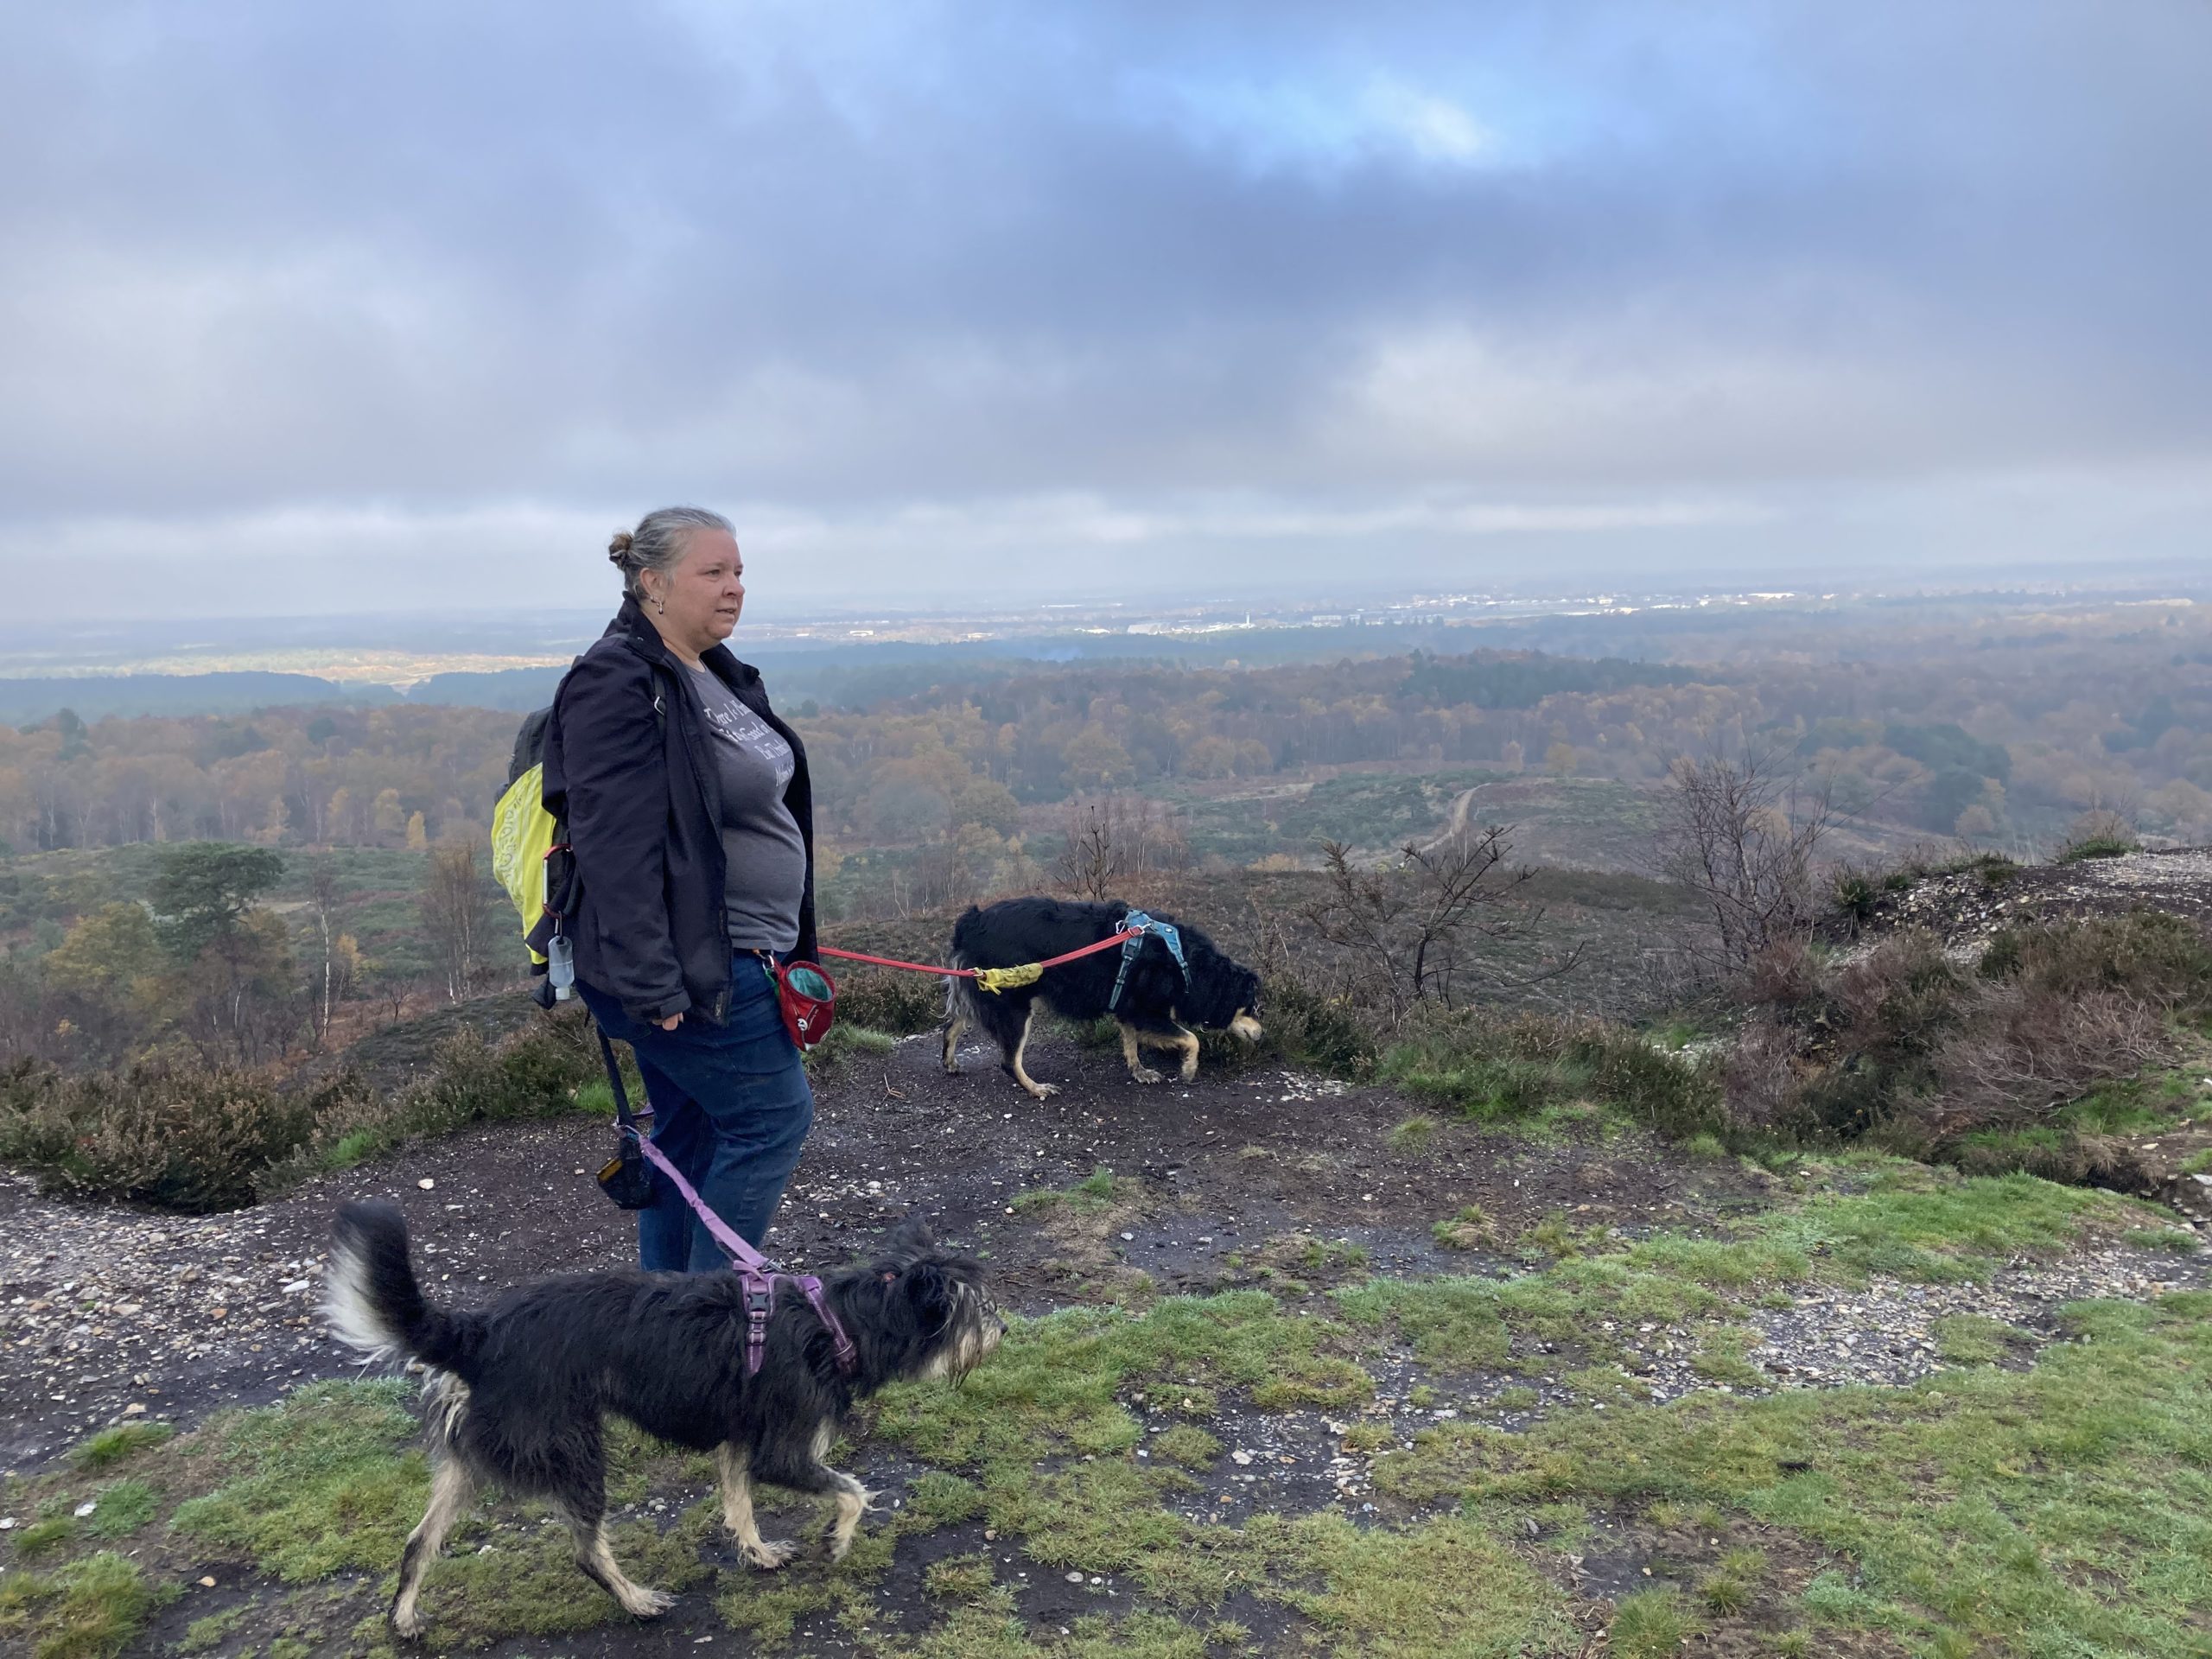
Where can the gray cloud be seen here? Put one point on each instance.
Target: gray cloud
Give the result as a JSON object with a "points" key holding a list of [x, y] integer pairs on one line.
{"points": [[312, 305]]}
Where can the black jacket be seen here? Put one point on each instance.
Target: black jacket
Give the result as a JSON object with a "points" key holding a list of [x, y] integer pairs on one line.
{"points": [[627, 765]]}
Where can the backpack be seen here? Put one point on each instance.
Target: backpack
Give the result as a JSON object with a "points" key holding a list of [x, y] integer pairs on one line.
{"points": [[530, 846]]}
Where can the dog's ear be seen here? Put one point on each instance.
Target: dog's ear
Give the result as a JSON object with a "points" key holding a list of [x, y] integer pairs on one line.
{"points": [[910, 1241], [930, 1291]]}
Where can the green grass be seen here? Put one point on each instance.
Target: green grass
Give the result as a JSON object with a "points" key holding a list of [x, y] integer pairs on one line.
{"points": [[2097, 847], [2059, 1510], [2054, 1509], [323, 1481], [1651, 1624], [1543, 1069], [1469, 1229], [111, 1446], [89, 1609], [525, 1583], [1096, 1193], [958, 1577], [1925, 1224], [1413, 1135], [1728, 1589], [1185, 1444], [123, 1507], [849, 1040], [1973, 1338]]}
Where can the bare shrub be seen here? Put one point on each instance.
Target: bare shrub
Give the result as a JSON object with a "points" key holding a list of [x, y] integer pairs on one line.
{"points": [[1760, 1078], [1412, 926], [1113, 838], [1743, 831], [2029, 1053], [1784, 975], [1910, 1041]]}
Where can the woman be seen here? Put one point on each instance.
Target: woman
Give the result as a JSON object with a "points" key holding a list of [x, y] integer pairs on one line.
{"points": [[692, 825]]}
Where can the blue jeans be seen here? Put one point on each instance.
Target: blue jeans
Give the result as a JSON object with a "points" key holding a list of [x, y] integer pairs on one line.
{"points": [[731, 1109]]}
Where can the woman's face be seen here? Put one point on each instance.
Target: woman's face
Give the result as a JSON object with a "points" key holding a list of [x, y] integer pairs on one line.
{"points": [[704, 593]]}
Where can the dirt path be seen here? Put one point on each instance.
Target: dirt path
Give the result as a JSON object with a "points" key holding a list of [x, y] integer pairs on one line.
{"points": [[102, 1309]]}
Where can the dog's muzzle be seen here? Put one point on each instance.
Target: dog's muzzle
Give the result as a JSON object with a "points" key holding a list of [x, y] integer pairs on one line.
{"points": [[1244, 1027]]}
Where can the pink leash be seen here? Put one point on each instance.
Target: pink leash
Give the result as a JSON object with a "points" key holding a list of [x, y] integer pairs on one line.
{"points": [[759, 1275]]}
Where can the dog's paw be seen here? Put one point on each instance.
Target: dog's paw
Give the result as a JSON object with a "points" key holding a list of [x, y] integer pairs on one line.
{"points": [[642, 1603], [1044, 1091], [409, 1624], [1144, 1074], [770, 1554]]}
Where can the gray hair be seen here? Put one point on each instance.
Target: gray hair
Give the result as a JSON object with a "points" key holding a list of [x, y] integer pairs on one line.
{"points": [[659, 541]]}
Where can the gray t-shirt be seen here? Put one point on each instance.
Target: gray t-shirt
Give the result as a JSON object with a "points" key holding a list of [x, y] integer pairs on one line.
{"points": [[761, 845]]}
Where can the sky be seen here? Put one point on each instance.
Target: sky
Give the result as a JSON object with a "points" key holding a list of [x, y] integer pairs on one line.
{"points": [[311, 309]]}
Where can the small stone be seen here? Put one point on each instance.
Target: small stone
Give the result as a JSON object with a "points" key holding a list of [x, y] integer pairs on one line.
{"points": [[1128, 1238], [1075, 1578], [87, 1507], [426, 1183], [1239, 1455], [7, 1523], [134, 1408], [207, 1584]]}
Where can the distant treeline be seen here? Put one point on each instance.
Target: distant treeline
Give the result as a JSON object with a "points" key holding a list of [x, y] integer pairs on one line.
{"points": [[1968, 735]]}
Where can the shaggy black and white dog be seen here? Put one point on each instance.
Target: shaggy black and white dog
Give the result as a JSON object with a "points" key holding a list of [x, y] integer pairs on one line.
{"points": [[518, 1389], [1158, 1006]]}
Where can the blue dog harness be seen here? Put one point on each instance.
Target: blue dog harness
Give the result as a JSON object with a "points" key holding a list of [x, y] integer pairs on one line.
{"points": [[1144, 924]]}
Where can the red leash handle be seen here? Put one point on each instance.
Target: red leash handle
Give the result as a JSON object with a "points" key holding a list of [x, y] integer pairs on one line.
{"points": [[970, 973]]}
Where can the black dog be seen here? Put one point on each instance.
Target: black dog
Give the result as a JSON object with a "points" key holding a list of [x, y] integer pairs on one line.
{"points": [[518, 1389], [1158, 1002]]}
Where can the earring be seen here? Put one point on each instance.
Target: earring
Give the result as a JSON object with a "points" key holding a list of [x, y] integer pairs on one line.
{"points": [[660, 607]]}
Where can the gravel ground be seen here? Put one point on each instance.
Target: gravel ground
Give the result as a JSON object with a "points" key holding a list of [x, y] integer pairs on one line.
{"points": [[1885, 1334], [1966, 910]]}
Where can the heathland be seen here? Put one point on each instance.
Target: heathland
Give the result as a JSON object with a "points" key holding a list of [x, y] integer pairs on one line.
{"points": [[1687, 1199]]}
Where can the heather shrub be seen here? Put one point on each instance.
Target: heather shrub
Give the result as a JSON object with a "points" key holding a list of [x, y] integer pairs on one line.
{"points": [[184, 1135], [170, 1132], [889, 1000]]}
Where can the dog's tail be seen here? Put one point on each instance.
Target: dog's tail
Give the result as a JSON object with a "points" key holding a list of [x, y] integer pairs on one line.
{"points": [[370, 1295], [960, 991]]}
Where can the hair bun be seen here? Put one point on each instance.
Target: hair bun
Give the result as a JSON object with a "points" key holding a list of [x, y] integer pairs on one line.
{"points": [[618, 549]]}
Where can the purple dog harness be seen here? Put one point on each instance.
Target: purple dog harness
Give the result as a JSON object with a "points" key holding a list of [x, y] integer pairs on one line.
{"points": [[760, 1275], [757, 1274]]}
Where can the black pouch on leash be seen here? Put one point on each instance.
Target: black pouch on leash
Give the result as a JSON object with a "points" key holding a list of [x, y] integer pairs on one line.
{"points": [[628, 1180]]}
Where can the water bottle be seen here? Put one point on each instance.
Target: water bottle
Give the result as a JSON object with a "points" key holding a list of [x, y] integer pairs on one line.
{"points": [[561, 966]]}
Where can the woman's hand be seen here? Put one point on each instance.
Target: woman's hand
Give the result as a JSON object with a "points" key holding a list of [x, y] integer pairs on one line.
{"points": [[672, 1022]]}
